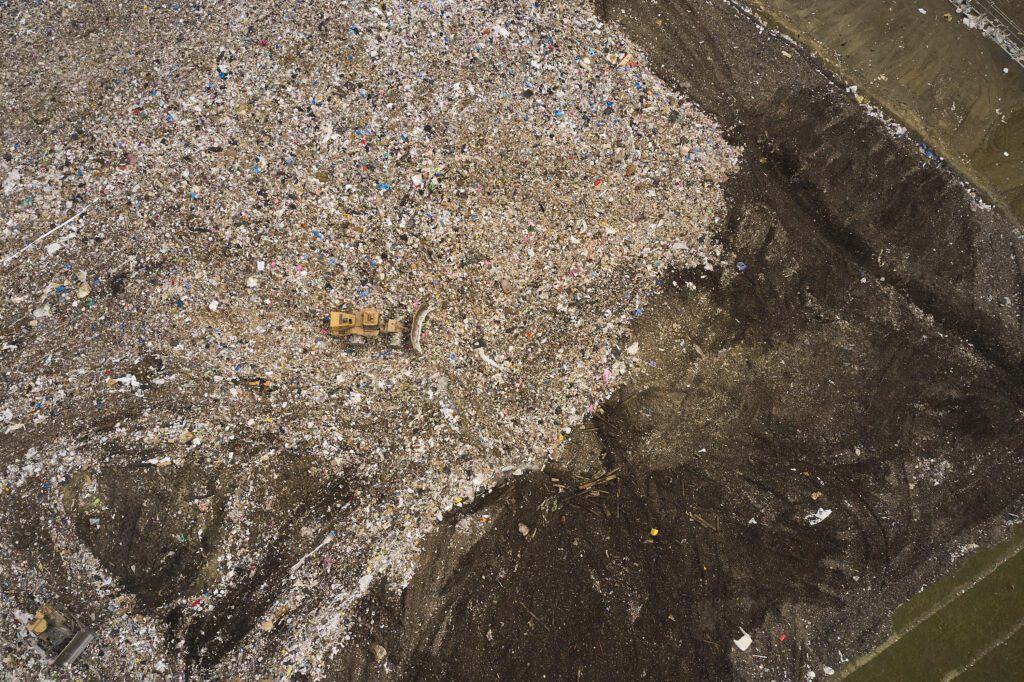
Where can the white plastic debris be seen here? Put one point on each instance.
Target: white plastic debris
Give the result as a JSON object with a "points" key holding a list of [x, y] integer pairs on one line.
{"points": [[818, 516], [129, 380]]}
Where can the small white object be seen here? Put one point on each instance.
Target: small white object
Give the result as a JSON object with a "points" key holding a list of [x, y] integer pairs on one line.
{"points": [[128, 380], [818, 516], [633, 348], [744, 642], [922, 10], [52, 248], [260, 265], [214, 305], [251, 282], [487, 359], [364, 582], [828, 671]]}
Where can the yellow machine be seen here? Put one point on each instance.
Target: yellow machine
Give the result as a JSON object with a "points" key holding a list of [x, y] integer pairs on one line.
{"points": [[59, 634], [364, 323]]}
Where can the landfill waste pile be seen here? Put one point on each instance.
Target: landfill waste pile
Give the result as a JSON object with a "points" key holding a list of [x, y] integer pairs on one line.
{"points": [[190, 463]]}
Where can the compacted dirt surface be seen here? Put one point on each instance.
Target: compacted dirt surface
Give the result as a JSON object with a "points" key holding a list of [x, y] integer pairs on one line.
{"points": [[809, 435], [943, 78], [863, 358]]}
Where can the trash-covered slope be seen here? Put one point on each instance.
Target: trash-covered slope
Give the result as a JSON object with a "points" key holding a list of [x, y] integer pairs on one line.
{"points": [[243, 170]]}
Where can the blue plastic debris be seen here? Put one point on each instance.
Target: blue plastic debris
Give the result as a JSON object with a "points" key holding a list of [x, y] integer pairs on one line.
{"points": [[741, 266], [929, 152]]}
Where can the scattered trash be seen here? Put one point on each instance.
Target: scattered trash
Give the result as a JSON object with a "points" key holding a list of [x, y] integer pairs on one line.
{"points": [[487, 360], [11, 257], [157, 462], [929, 152], [524, 530], [995, 24], [129, 380]]}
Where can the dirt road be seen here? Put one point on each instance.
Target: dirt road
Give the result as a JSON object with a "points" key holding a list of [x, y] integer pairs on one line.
{"points": [[946, 81]]}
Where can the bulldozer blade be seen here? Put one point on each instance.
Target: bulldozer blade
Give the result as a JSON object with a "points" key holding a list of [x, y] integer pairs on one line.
{"points": [[74, 648], [418, 318]]}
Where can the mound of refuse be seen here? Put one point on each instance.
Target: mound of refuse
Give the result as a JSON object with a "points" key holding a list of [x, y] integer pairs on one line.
{"points": [[188, 190]]}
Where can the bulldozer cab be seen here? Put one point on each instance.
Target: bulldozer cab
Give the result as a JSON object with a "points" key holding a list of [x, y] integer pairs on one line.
{"points": [[358, 325], [364, 322]]}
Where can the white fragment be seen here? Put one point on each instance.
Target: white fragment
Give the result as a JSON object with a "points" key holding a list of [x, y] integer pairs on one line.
{"points": [[818, 516], [364, 583], [128, 380]]}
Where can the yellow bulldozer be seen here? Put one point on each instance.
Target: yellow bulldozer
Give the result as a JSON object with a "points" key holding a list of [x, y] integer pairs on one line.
{"points": [[59, 634], [365, 323]]}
